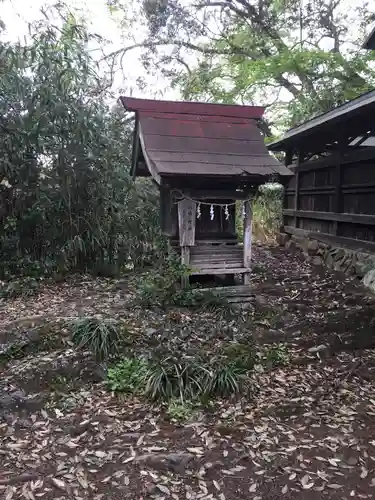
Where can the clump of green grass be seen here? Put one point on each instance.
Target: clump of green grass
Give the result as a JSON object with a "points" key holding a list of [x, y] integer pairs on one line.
{"points": [[186, 379], [170, 378], [226, 380], [102, 337]]}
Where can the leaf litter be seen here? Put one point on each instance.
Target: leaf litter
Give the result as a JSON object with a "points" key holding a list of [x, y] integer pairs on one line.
{"points": [[304, 434]]}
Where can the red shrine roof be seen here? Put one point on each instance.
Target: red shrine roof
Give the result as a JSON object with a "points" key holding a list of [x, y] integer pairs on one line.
{"points": [[200, 139]]}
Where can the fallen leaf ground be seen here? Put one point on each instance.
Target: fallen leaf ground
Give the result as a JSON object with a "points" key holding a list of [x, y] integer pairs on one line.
{"points": [[308, 431]]}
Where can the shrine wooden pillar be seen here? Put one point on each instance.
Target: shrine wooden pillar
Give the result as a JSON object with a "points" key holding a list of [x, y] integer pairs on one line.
{"points": [[186, 226], [247, 237]]}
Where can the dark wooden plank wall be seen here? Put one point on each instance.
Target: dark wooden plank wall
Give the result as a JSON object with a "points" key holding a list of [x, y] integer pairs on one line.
{"points": [[335, 196]]}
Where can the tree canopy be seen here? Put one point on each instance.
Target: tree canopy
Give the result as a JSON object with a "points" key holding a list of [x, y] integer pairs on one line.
{"points": [[297, 58]]}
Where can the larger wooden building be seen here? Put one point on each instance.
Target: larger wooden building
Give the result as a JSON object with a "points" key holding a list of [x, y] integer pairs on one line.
{"points": [[204, 158], [332, 195]]}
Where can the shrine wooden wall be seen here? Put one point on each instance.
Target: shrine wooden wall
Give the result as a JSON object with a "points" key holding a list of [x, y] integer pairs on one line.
{"points": [[333, 198]]}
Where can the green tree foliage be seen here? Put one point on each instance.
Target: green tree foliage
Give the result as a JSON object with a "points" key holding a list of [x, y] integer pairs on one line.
{"points": [[66, 199], [299, 58]]}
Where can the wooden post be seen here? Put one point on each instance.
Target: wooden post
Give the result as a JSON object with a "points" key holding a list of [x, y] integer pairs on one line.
{"points": [[185, 260], [296, 193], [247, 233], [186, 226], [337, 199], [288, 161]]}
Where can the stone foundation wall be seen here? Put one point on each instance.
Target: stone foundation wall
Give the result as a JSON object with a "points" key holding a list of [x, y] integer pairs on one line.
{"points": [[353, 262]]}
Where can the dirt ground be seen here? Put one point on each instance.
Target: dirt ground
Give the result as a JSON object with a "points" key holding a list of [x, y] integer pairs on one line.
{"points": [[307, 432]]}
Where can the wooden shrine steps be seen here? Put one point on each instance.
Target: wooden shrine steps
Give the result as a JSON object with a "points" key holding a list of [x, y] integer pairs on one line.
{"points": [[233, 294], [217, 259]]}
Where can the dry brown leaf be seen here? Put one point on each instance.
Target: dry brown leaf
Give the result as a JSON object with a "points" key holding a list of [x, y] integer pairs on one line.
{"points": [[25, 492], [319, 488], [308, 486], [333, 461], [82, 481], [163, 489], [72, 444], [253, 488], [306, 482], [334, 486], [9, 492], [292, 476], [58, 483], [364, 472], [140, 440], [305, 479], [216, 484], [196, 451], [260, 472], [228, 472], [284, 489]]}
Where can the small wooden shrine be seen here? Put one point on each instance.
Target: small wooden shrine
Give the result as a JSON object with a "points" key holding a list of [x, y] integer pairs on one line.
{"points": [[206, 159]]}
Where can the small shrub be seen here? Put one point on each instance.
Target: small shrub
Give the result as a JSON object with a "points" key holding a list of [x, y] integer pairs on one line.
{"points": [[259, 268], [159, 286], [267, 318], [59, 383], [102, 337], [40, 342], [22, 287], [277, 356], [241, 355], [213, 302], [267, 212], [179, 411], [129, 376]]}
